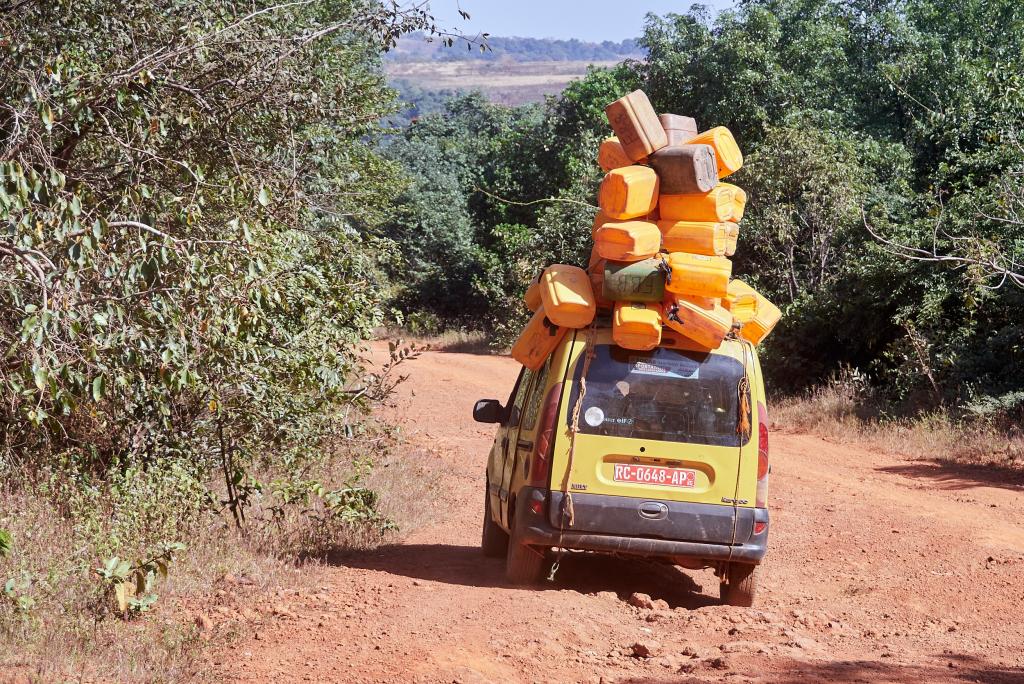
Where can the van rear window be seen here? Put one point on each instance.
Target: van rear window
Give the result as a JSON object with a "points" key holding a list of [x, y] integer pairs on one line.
{"points": [[664, 394]]}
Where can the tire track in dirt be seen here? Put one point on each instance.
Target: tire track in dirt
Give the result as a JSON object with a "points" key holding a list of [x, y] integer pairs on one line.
{"points": [[879, 569]]}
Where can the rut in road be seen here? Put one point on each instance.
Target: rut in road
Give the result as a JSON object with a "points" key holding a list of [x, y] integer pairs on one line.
{"points": [[879, 569]]}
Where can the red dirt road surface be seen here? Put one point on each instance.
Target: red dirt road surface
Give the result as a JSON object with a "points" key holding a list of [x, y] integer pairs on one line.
{"points": [[879, 569]]}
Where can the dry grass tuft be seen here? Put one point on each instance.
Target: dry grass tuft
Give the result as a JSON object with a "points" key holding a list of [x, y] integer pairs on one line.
{"points": [[843, 411]]}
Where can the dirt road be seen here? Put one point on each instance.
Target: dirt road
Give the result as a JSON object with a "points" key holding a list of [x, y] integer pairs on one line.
{"points": [[879, 569]]}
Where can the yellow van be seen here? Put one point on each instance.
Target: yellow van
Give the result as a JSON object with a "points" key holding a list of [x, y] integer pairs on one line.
{"points": [[659, 454]]}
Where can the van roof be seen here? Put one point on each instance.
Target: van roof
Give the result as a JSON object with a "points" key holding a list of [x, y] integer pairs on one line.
{"points": [[672, 340]]}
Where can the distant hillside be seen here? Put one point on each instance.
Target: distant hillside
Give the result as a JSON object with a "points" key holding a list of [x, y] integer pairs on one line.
{"points": [[416, 48], [425, 84]]}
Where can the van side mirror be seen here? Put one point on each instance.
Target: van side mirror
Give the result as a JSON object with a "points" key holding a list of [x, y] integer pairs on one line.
{"points": [[488, 411]]}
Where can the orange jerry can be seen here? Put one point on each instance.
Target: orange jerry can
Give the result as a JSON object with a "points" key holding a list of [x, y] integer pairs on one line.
{"points": [[679, 129], [727, 152], [695, 237], [698, 275], [636, 125], [600, 219], [741, 301], [717, 205], [611, 155], [705, 321], [685, 169], [532, 296], [739, 201], [629, 192], [734, 236], [596, 273], [567, 296], [637, 325], [627, 240], [538, 339], [765, 317]]}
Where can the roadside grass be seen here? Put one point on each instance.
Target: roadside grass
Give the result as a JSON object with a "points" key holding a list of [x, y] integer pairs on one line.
{"points": [[840, 411], [59, 620]]}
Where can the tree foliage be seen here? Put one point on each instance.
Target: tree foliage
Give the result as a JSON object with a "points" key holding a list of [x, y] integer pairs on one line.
{"points": [[182, 185]]}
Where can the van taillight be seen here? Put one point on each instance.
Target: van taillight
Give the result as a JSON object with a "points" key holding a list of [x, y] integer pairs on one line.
{"points": [[540, 462], [762, 456]]}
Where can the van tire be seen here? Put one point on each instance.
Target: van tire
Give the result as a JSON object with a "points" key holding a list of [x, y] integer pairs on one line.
{"points": [[523, 564], [740, 585], [493, 539]]}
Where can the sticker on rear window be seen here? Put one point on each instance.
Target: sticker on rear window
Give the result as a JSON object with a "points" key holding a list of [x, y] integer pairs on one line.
{"points": [[594, 416], [681, 367]]}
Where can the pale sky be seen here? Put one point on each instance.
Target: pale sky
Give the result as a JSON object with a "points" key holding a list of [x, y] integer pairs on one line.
{"points": [[589, 20]]}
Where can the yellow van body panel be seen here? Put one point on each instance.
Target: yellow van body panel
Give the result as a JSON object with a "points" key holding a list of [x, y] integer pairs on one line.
{"points": [[723, 475]]}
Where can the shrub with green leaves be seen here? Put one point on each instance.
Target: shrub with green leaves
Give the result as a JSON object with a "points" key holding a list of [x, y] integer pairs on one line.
{"points": [[180, 192]]}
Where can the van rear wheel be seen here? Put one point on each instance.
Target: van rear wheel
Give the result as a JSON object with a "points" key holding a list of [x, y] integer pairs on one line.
{"points": [[493, 539], [524, 564], [739, 587]]}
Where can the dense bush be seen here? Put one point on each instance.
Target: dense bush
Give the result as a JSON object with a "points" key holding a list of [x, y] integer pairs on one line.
{"points": [[185, 189]]}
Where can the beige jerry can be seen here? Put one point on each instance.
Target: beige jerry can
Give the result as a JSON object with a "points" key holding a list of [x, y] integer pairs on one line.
{"points": [[629, 192], [696, 237], [739, 201], [679, 129], [611, 155], [627, 240], [741, 301], [734, 236], [637, 325], [684, 169], [567, 296], [636, 125], [727, 152], [717, 205], [766, 315], [538, 339], [703, 320], [698, 275]]}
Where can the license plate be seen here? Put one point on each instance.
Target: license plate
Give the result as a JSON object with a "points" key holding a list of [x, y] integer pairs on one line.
{"points": [[644, 474]]}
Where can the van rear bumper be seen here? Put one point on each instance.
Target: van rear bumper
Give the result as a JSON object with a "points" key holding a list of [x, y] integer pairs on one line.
{"points": [[535, 529]]}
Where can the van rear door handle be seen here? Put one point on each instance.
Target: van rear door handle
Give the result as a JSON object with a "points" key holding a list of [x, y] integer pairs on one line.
{"points": [[524, 445]]}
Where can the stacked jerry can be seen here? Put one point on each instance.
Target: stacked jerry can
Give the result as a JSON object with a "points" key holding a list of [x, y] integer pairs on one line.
{"points": [[666, 227]]}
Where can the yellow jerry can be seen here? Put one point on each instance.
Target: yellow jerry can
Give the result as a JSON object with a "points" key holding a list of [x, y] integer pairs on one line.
{"points": [[739, 201], [734, 236], [629, 192], [538, 339], [727, 152], [764, 320], [637, 325], [636, 125], [698, 275], [741, 301], [717, 205], [567, 296], [696, 237], [627, 240], [705, 321]]}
